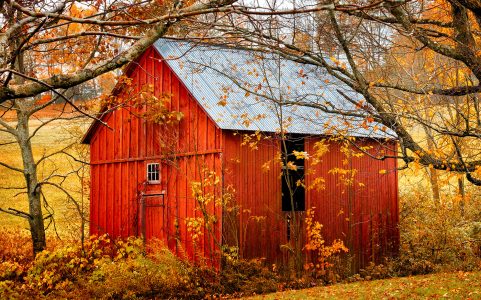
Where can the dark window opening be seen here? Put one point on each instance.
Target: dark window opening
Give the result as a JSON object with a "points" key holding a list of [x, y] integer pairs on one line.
{"points": [[153, 173], [293, 176]]}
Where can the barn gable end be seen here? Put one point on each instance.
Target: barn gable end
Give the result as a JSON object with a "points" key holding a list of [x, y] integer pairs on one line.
{"points": [[119, 157]]}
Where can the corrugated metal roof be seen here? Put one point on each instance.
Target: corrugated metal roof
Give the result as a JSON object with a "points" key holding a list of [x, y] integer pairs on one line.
{"points": [[220, 78]]}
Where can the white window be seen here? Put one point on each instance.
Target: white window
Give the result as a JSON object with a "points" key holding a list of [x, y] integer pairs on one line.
{"points": [[153, 173]]}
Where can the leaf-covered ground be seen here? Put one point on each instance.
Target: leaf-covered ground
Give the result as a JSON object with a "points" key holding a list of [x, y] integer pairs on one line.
{"points": [[443, 285]]}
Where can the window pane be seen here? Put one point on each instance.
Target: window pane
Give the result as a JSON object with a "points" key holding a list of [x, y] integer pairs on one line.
{"points": [[153, 173]]}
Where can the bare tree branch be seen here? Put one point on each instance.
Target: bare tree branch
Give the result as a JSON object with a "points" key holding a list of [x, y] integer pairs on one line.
{"points": [[17, 213]]}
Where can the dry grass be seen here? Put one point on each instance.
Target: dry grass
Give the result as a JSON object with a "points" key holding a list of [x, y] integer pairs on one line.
{"points": [[52, 137]]}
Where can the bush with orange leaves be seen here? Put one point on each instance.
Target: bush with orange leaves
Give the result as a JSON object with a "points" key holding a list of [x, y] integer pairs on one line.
{"points": [[316, 244], [106, 268], [15, 245]]}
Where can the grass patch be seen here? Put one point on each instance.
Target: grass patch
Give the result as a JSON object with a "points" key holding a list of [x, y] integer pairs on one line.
{"points": [[459, 285]]}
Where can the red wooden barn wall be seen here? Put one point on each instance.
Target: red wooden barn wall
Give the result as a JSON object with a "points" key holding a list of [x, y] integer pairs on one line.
{"points": [[368, 224], [258, 194], [364, 217], [365, 214], [119, 158]]}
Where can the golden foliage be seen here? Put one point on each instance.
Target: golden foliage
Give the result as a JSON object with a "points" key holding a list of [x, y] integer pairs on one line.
{"points": [[320, 149], [317, 245]]}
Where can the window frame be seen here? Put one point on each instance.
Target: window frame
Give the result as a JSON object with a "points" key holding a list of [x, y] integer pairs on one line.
{"points": [[148, 172]]}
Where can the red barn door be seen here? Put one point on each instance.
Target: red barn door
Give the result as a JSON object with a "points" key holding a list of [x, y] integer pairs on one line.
{"points": [[153, 216]]}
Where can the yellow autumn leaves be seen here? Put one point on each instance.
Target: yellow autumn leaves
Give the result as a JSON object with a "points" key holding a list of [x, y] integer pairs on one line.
{"points": [[316, 244]]}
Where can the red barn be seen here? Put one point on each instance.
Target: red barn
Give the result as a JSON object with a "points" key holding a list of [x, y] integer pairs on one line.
{"points": [[192, 155]]}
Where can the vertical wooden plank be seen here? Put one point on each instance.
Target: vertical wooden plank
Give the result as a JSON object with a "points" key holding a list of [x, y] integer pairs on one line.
{"points": [[103, 203], [182, 203], [149, 124], [94, 148], [102, 143], [193, 130], [134, 194], [124, 201], [211, 205], [134, 120], [218, 207], [117, 133], [190, 211], [101, 197], [109, 204], [184, 132], [177, 207], [94, 198], [168, 217], [175, 86], [140, 175], [116, 195], [157, 73], [127, 127], [246, 197], [166, 86], [140, 87], [111, 137], [173, 208]]}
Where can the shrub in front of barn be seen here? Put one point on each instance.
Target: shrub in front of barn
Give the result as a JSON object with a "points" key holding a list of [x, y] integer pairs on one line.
{"points": [[126, 269]]}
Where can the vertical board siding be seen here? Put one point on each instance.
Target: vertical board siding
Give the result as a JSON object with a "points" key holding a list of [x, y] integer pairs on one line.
{"points": [[258, 228], [119, 156], [364, 215]]}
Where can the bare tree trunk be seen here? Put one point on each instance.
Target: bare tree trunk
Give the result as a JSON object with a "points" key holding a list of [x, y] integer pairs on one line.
{"points": [[433, 178], [462, 193], [35, 218], [433, 173], [36, 221]]}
